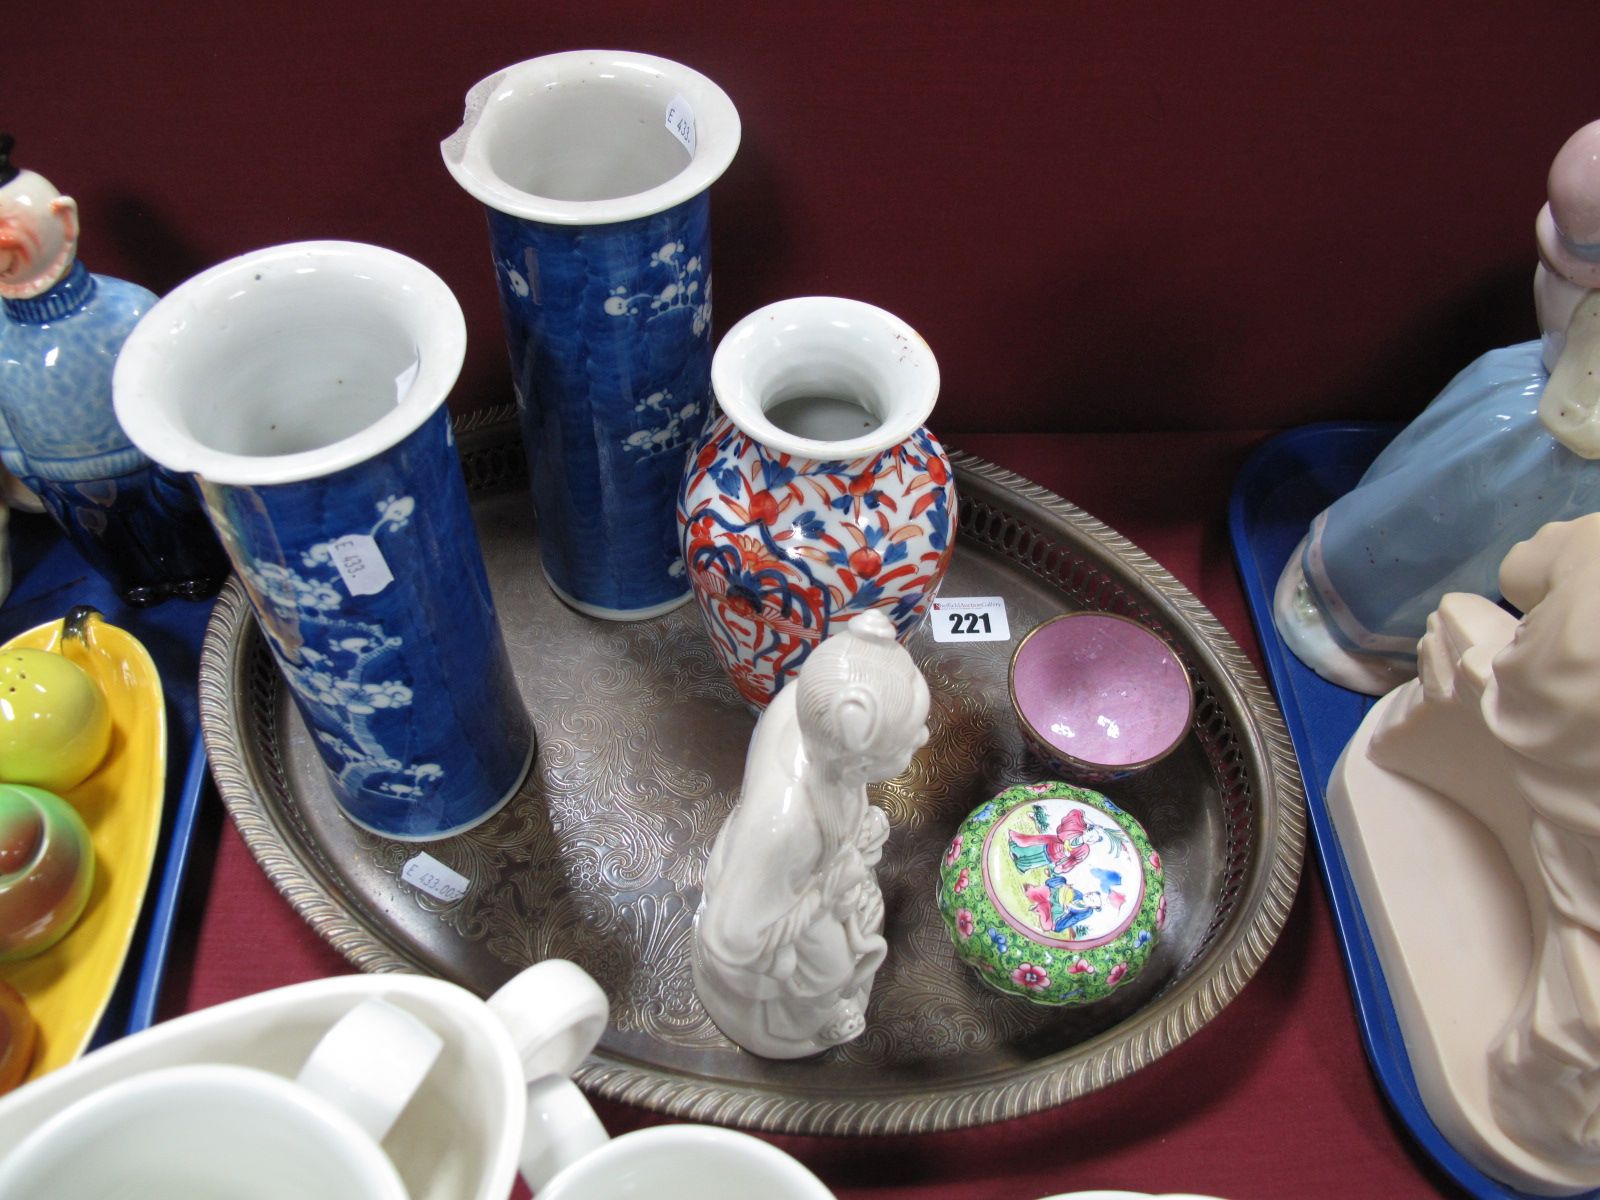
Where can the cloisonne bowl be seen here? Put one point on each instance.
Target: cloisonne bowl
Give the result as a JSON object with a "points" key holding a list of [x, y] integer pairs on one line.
{"points": [[1099, 696]]}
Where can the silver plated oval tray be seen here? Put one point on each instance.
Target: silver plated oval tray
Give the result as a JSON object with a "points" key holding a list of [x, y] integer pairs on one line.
{"points": [[641, 746]]}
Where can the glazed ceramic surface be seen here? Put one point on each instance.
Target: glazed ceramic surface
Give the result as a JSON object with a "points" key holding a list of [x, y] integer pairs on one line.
{"points": [[224, 1129], [686, 1162], [138, 524], [1488, 760], [457, 1139], [599, 229], [201, 1130], [305, 386], [68, 987], [1507, 446], [1053, 893], [1438, 510], [558, 1012], [1100, 696], [43, 889], [818, 493], [789, 934]]}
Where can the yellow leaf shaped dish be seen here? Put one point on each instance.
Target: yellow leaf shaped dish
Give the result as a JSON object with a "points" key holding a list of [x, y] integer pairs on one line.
{"points": [[68, 986]]}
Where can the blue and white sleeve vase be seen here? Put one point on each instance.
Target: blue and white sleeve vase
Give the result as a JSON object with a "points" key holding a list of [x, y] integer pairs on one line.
{"points": [[594, 168]]}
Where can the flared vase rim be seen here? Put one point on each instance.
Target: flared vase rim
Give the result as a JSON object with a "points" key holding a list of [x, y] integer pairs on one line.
{"points": [[145, 406], [467, 159], [909, 407]]}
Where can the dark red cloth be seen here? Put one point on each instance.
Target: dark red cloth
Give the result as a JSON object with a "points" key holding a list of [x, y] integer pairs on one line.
{"points": [[1272, 1099], [1101, 216]]}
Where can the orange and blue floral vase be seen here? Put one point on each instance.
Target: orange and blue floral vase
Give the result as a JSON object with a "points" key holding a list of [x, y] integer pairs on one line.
{"points": [[817, 493]]}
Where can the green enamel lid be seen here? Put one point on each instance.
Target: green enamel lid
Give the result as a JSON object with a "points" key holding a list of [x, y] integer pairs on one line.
{"points": [[1053, 893]]}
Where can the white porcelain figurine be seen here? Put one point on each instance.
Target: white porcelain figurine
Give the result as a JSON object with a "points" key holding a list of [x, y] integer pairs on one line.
{"points": [[1508, 445], [789, 932], [1468, 808]]}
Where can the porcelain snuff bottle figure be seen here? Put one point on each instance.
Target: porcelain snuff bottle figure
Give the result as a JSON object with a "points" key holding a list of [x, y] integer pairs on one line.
{"points": [[789, 933], [136, 523], [1507, 446], [1491, 758]]}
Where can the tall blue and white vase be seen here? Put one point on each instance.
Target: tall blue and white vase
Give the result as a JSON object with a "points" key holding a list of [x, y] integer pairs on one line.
{"points": [[594, 167], [134, 522], [304, 387]]}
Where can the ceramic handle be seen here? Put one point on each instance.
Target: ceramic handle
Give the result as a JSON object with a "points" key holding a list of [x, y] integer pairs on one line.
{"points": [[561, 1129], [371, 1063], [555, 1014]]}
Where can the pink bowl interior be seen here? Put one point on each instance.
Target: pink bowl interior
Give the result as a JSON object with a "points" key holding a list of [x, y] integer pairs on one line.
{"points": [[1102, 690]]}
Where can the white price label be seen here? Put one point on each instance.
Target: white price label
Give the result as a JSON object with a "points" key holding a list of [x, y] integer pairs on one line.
{"points": [[361, 565], [970, 619], [428, 874], [680, 119]]}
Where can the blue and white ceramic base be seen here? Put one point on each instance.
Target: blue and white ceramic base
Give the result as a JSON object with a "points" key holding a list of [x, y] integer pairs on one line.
{"points": [[609, 329], [408, 691], [145, 532], [137, 524]]}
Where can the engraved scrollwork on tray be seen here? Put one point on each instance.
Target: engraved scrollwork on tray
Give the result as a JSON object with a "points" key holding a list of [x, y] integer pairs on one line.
{"points": [[599, 858]]}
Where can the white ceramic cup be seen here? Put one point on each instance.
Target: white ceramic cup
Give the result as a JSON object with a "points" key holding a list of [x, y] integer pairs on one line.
{"points": [[212, 1130], [567, 1156], [555, 1014]]}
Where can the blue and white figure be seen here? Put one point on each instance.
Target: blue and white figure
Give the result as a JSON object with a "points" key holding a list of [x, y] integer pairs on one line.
{"points": [[304, 386], [1509, 445], [595, 167], [136, 523]]}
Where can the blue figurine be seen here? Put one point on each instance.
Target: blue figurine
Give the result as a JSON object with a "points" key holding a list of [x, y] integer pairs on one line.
{"points": [[136, 523], [1506, 447]]}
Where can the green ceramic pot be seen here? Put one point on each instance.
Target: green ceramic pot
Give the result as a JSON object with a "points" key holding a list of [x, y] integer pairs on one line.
{"points": [[1053, 893]]}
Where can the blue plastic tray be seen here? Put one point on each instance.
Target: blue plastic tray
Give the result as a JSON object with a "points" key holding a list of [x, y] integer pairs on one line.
{"points": [[49, 578], [1286, 483]]}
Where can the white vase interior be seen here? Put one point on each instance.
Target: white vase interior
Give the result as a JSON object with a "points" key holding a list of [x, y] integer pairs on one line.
{"points": [[823, 417], [586, 139], [581, 137], [825, 378], [291, 361]]}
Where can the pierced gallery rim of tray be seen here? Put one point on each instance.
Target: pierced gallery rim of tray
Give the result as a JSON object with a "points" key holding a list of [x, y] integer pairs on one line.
{"points": [[642, 740]]}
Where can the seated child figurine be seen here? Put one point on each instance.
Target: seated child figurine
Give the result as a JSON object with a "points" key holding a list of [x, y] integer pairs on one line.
{"points": [[1503, 449], [1491, 949], [788, 937]]}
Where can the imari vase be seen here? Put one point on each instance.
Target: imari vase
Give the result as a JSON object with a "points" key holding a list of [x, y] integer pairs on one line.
{"points": [[817, 493], [304, 387], [594, 168]]}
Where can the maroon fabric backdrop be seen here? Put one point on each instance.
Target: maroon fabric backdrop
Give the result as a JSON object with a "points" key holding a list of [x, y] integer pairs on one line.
{"points": [[1102, 217]]}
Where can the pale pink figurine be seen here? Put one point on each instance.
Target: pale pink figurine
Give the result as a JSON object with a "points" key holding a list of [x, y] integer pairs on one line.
{"points": [[1468, 810], [789, 933]]}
